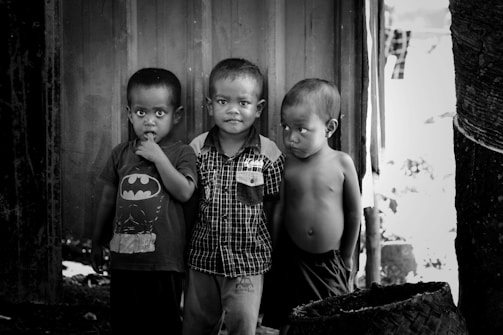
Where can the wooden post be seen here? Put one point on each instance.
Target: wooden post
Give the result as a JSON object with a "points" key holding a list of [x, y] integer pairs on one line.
{"points": [[372, 245], [30, 264], [375, 97]]}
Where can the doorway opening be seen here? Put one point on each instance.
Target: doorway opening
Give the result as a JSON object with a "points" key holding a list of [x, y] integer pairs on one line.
{"points": [[415, 187]]}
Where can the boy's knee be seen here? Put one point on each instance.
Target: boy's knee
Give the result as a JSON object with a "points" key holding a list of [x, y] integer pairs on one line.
{"points": [[242, 321]]}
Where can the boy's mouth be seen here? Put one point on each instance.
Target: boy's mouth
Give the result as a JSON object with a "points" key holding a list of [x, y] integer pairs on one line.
{"points": [[294, 150]]}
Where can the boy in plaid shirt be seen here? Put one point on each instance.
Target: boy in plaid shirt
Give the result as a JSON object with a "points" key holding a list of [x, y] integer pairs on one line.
{"points": [[240, 173]]}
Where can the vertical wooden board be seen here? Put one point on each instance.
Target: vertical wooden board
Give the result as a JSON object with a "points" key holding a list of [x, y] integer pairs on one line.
{"points": [[100, 122], [319, 50], [147, 40], [221, 30], [121, 66], [349, 44], [172, 47], [73, 69], [200, 61], [91, 128], [275, 67], [309, 40], [171, 35], [247, 29], [295, 42], [73, 73]]}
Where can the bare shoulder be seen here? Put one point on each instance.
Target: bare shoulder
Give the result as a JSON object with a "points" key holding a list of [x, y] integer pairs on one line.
{"points": [[343, 159]]}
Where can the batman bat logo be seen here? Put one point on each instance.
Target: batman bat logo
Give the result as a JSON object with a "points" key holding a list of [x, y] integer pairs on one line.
{"points": [[138, 186]]}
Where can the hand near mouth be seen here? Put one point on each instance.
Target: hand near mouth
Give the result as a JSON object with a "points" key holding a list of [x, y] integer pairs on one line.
{"points": [[148, 149], [149, 137]]}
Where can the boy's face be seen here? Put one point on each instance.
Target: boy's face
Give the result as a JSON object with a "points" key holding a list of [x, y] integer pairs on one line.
{"points": [[304, 132], [151, 111], [235, 104]]}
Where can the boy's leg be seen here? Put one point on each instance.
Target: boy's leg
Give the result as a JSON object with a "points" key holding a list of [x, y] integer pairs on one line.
{"points": [[241, 301], [145, 302], [119, 301], [202, 308], [166, 294]]}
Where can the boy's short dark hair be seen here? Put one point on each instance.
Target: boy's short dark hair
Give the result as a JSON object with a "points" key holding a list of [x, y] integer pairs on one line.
{"points": [[152, 76], [231, 68], [321, 93]]}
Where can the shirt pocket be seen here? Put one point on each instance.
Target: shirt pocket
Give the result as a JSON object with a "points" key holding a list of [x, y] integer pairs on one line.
{"points": [[250, 187]]}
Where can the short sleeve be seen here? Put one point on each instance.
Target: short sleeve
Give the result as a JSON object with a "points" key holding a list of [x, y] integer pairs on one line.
{"points": [[273, 175], [186, 163], [109, 173]]}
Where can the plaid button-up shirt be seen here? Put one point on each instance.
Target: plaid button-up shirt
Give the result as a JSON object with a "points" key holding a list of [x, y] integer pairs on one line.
{"points": [[231, 236]]}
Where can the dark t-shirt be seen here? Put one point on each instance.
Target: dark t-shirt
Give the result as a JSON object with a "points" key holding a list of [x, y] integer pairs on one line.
{"points": [[149, 227]]}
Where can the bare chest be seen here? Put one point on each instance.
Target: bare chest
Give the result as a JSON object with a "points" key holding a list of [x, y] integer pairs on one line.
{"points": [[309, 179]]}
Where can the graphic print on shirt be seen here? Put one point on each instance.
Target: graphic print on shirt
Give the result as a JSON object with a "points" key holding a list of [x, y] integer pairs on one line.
{"points": [[139, 205]]}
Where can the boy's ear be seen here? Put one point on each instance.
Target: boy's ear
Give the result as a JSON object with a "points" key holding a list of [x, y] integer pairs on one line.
{"points": [[260, 107], [209, 106], [177, 115], [129, 116], [332, 125]]}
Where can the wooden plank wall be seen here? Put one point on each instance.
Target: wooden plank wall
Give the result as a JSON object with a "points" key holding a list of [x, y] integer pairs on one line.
{"points": [[104, 42]]}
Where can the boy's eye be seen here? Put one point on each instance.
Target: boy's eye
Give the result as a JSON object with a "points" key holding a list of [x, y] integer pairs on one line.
{"points": [[302, 130], [160, 113], [140, 112], [244, 103], [285, 127], [221, 101]]}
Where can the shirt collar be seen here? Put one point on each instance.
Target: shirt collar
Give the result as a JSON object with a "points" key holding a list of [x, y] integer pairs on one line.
{"points": [[253, 140]]}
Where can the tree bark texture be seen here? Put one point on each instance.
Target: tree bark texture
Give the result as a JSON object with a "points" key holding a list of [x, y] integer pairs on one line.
{"points": [[477, 34]]}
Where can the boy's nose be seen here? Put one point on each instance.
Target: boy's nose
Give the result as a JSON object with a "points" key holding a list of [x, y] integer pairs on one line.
{"points": [[292, 138], [233, 109], [149, 120]]}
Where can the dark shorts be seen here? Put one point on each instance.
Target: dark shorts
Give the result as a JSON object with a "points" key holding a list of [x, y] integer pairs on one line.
{"points": [[146, 302], [298, 277]]}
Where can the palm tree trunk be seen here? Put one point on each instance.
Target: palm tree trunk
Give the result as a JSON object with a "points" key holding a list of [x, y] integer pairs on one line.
{"points": [[477, 34]]}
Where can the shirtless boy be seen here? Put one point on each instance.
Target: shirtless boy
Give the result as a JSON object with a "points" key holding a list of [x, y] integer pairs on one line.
{"points": [[318, 220]]}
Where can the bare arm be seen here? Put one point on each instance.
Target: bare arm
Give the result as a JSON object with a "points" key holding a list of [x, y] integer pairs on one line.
{"points": [[103, 225], [352, 210], [179, 186], [277, 217]]}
